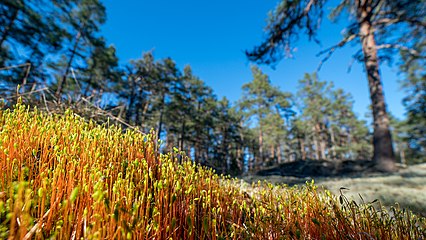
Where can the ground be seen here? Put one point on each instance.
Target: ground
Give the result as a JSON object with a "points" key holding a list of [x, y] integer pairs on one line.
{"points": [[406, 187]]}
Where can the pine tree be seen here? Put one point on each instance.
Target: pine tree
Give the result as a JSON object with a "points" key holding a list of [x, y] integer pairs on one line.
{"points": [[81, 22], [262, 103], [373, 24], [414, 85], [227, 133], [349, 136], [28, 34], [316, 110], [101, 73], [335, 133], [138, 90]]}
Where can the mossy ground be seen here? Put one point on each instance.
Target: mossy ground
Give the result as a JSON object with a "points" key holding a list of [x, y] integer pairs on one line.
{"points": [[66, 178]]}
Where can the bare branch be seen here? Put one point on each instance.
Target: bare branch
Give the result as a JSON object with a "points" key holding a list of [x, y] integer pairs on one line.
{"points": [[401, 47], [356, 56], [36, 226], [28, 93], [390, 21], [333, 48], [15, 66], [45, 102], [308, 7], [112, 116], [385, 21], [283, 28], [75, 79], [27, 73]]}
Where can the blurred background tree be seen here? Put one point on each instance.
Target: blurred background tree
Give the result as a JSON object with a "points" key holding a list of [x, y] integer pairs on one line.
{"points": [[54, 50]]}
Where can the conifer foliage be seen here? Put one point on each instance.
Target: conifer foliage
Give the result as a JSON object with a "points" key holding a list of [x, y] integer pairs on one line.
{"points": [[54, 51]]}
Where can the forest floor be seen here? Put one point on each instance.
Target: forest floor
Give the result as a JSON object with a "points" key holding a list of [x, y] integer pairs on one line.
{"points": [[406, 187]]}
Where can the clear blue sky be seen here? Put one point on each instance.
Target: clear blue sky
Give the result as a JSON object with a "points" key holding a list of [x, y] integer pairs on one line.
{"points": [[212, 36]]}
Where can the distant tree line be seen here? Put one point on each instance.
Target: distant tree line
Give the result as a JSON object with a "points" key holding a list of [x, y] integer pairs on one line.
{"points": [[56, 45], [381, 29]]}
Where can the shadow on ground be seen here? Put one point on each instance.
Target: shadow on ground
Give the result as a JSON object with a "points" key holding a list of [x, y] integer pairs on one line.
{"points": [[320, 168]]}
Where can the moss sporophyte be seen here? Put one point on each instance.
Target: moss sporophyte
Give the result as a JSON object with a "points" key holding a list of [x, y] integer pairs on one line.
{"points": [[64, 177]]}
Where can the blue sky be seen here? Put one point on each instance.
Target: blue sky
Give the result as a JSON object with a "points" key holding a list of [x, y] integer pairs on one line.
{"points": [[212, 36]]}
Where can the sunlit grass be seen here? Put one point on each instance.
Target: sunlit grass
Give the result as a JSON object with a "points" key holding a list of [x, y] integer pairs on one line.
{"points": [[67, 178]]}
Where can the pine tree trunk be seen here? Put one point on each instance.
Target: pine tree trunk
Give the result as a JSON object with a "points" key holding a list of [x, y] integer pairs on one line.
{"points": [[321, 141], [144, 111], [224, 148], [170, 143], [68, 68], [131, 100], [317, 156], [402, 155], [240, 163], [261, 159], [254, 158], [302, 149], [333, 144], [316, 143], [322, 149], [160, 124], [182, 135], [160, 121], [272, 156], [279, 159], [384, 157]]}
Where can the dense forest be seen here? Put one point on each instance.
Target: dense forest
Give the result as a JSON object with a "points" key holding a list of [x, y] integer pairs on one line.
{"points": [[52, 54]]}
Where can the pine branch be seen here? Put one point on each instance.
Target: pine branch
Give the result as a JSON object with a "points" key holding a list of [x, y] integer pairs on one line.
{"points": [[413, 52], [390, 21], [333, 48]]}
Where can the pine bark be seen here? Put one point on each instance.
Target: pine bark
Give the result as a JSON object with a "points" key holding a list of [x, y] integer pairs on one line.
{"points": [[279, 157], [333, 144], [261, 157], [316, 144], [302, 149], [182, 136], [384, 157], [321, 141]]}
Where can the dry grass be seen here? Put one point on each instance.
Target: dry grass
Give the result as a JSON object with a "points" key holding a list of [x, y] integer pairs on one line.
{"points": [[66, 178], [405, 188]]}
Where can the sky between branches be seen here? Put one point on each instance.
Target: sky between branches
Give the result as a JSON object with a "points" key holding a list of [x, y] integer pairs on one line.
{"points": [[212, 36]]}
